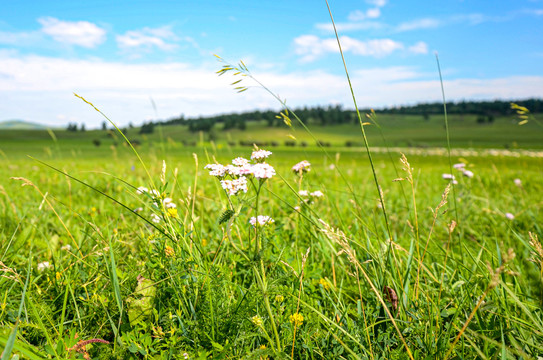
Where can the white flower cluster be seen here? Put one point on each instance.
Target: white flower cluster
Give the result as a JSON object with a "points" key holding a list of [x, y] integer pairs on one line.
{"points": [[309, 197], [44, 266], [462, 167], [261, 220], [143, 190], [168, 204], [301, 167], [165, 202], [450, 177], [260, 155], [316, 194], [233, 187], [240, 170]]}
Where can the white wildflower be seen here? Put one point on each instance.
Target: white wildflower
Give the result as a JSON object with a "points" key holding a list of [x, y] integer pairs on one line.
{"points": [[44, 266], [263, 171], [297, 208], [155, 218], [459, 166], [66, 247], [303, 193], [518, 182], [317, 194], [448, 176], [260, 155], [302, 166], [168, 203], [139, 209], [261, 220], [236, 171], [141, 190], [217, 170], [233, 187], [239, 161], [468, 173], [509, 216], [155, 192]]}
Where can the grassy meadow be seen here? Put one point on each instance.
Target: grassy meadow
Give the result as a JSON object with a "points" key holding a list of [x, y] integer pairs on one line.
{"points": [[94, 266]]}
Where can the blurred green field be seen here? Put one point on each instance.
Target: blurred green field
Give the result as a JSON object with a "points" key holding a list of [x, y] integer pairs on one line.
{"points": [[395, 130]]}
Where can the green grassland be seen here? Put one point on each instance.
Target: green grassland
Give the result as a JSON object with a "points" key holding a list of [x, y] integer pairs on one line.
{"points": [[390, 130], [443, 273]]}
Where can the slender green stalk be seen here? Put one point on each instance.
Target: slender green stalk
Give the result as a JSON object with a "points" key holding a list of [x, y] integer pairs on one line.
{"points": [[448, 136]]}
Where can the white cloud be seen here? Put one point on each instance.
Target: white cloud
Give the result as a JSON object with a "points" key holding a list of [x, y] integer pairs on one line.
{"points": [[373, 13], [81, 33], [426, 23], [40, 88], [311, 47], [378, 3], [20, 38], [359, 15], [148, 38], [419, 48]]}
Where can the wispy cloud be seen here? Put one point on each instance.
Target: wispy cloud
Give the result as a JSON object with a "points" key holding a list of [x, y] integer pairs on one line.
{"points": [[122, 90], [359, 15], [365, 20], [20, 38], [311, 47], [426, 23], [378, 3], [147, 38], [80, 33], [419, 48]]}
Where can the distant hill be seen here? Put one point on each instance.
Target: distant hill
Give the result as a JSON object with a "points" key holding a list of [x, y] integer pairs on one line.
{"points": [[20, 125]]}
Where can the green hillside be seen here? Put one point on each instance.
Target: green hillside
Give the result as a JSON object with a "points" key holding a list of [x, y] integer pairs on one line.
{"points": [[390, 130], [20, 125]]}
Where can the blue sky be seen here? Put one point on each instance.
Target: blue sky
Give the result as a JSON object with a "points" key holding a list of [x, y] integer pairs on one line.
{"points": [[121, 54]]}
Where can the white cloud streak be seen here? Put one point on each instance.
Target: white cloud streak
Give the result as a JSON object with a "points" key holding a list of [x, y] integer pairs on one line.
{"points": [[426, 23], [81, 33], [311, 47], [148, 38], [40, 89]]}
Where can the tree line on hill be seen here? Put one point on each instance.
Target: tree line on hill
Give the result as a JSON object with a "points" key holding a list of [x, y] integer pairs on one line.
{"points": [[485, 111]]}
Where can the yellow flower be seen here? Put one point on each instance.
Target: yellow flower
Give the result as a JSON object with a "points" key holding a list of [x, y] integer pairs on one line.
{"points": [[279, 298], [169, 251], [325, 284], [297, 319], [172, 212], [58, 275], [257, 320], [262, 347]]}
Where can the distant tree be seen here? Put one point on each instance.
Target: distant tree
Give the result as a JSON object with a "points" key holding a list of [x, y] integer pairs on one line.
{"points": [[71, 127], [82, 127], [104, 126], [147, 128]]}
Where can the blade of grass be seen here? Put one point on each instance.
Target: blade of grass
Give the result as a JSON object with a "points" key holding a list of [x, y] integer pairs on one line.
{"points": [[11, 339]]}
